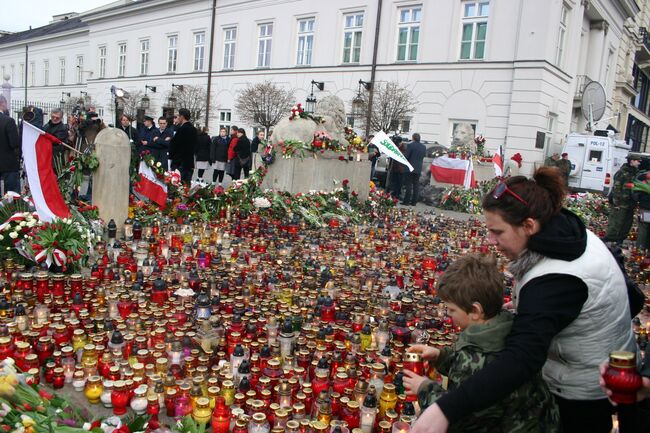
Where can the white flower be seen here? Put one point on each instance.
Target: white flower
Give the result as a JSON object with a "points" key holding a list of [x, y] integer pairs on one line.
{"points": [[86, 426], [261, 202], [23, 223], [184, 292], [13, 235], [158, 164]]}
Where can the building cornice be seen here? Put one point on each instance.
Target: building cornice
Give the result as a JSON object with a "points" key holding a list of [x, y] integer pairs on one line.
{"points": [[131, 8], [24, 42]]}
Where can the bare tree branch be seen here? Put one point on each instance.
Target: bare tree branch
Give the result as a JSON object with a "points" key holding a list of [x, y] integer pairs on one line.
{"points": [[391, 103], [193, 98], [264, 103]]}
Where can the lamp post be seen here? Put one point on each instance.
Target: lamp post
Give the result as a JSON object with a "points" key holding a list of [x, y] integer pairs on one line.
{"points": [[145, 102], [117, 94], [358, 102], [310, 102]]}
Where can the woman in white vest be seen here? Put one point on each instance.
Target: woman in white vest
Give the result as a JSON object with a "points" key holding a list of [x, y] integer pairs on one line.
{"points": [[571, 303]]}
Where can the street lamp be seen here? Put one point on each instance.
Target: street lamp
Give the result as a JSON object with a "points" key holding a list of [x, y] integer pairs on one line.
{"points": [[310, 102], [117, 95], [145, 102], [358, 102], [177, 86]]}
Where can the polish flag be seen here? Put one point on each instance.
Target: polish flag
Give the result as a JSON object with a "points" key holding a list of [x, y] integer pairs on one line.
{"points": [[151, 187], [497, 160], [453, 170], [37, 156]]}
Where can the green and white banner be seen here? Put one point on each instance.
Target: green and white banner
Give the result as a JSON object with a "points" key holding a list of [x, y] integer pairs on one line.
{"points": [[388, 148]]}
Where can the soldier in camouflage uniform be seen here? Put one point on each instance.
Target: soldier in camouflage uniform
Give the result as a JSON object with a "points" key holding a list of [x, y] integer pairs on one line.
{"points": [[472, 290], [622, 201], [564, 165]]}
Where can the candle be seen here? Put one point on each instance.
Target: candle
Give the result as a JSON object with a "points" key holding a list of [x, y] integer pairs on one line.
{"points": [[400, 427]]}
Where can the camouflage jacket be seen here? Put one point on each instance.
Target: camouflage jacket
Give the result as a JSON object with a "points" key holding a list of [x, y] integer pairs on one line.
{"points": [[565, 167], [530, 408], [621, 195]]}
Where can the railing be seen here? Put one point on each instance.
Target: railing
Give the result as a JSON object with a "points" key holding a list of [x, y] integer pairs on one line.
{"points": [[17, 107], [581, 83], [645, 37]]}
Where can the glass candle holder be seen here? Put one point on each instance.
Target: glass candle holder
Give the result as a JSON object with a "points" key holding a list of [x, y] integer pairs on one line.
{"points": [[622, 377], [94, 389]]}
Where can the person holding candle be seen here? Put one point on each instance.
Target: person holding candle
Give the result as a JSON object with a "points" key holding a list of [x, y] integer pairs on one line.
{"points": [[572, 309], [472, 288]]}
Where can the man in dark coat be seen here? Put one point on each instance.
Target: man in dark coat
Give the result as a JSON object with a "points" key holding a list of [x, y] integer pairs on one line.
{"points": [[219, 154], [146, 133], [162, 136], [57, 128], [622, 201], [181, 149], [415, 153], [9, 150], [243, 154]]}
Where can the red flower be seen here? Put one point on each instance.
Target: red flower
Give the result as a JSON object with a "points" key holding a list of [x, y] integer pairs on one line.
{"points": [[629, 185], [346, 182], [123, 429], [44, 394], [28, 407], [341, 158]]}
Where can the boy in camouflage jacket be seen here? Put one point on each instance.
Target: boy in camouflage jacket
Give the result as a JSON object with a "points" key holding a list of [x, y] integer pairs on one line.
{"points": [[472, 290]]}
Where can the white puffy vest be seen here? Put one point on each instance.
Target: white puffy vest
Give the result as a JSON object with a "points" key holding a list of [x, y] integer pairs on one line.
{"points": [[603, 326]]}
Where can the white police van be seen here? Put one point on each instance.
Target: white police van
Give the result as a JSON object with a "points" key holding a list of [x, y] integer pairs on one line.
{"points": [[595, 159]]}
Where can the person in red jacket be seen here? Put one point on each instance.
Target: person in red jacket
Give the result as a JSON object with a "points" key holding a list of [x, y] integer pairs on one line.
{"points": [[231, 150]]}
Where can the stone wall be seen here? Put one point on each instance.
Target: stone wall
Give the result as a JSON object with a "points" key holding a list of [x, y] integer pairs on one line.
{"points": [[324, 172]]}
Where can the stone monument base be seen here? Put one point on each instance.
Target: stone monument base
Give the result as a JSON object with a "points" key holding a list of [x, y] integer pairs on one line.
{"points": [[324, 172]]}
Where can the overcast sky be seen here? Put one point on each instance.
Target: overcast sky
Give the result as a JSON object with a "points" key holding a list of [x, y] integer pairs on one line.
{"points": [[17, 15]]}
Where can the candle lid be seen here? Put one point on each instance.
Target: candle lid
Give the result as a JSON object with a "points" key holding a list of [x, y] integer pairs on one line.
{"points": [[622, 359], [411, 357]]}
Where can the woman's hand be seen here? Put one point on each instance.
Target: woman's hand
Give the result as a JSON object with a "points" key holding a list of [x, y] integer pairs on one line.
{"points": [[641, 394], [412, 382], [427, 353]]}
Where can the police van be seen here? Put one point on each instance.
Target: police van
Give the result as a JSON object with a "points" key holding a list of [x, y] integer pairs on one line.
{"points": [[594, 160]]}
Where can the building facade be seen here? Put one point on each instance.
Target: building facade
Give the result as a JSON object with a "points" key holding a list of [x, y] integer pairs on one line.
{"points": [[513, 69]]}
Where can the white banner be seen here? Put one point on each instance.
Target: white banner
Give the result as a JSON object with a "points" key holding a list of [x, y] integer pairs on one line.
{"points": [[388, 148]]}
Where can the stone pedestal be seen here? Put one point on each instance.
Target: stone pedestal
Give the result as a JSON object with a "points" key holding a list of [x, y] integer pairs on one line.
{"points": [[303, 175], [111, 180]]}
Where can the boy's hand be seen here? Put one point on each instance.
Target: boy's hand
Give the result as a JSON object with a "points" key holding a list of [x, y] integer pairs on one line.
{"points": [[427, 353], [412, 382]]}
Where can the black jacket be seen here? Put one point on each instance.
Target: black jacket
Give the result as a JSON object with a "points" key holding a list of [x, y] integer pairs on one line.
{"points": [[202, 148], [255, 144], [132, 133], [546, 306], [243, 147], [9, 144], [181, 149], [415, 153], [146, 134], [59, 130], [219, 148], [160, 138]]}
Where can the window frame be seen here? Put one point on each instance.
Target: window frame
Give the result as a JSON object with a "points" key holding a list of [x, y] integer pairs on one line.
{"points": [[62, 67], [475, 21], [80, 69], [305, 38], [353, 30], [121, 59], [46, 72], [229, 47], [409, 26], [144, 56], [172, 53], [225, 120], [563, 30], [21, 73], [199, 48], [264, 59], [32, 73], [101, 56]]}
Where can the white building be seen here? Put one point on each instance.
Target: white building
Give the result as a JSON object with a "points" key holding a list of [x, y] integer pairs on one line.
{"points": [[513, 68]]}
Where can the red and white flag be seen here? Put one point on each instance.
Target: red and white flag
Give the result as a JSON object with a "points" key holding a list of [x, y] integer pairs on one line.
{"points": [[151, 187], [453, 170], [497, 160], [37, 156]]}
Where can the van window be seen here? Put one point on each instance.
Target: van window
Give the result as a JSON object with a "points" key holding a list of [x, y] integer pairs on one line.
{"points": [[595, 155]]}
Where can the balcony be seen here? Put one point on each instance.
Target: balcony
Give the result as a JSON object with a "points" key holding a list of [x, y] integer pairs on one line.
{"points": [[581, 83], [643, 55]]}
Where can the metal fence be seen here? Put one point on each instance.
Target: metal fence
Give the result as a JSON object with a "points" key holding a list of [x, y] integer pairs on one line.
{"points": [[17, 107]]}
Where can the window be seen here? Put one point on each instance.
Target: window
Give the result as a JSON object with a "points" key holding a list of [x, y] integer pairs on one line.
{"points": [[13, 74], [121, 60], [199, 50], [22, 74], [229, 40], [561, 36], [32, 74], [352, 37], [472, 44], [46, 72], [80, 69], [595, 156], [62, 71], [144, 57], [641, 83], [102, 62], [224, 120], [550, 130], [636, 134], [172, 53], [408, 34], [608, 64], [264, 47], [305, 41], [402, 126]]}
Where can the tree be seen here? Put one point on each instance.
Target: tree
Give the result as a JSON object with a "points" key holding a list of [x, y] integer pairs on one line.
{"points": [[193, 98], [391, 104], [130, 103], [264, 104]]}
